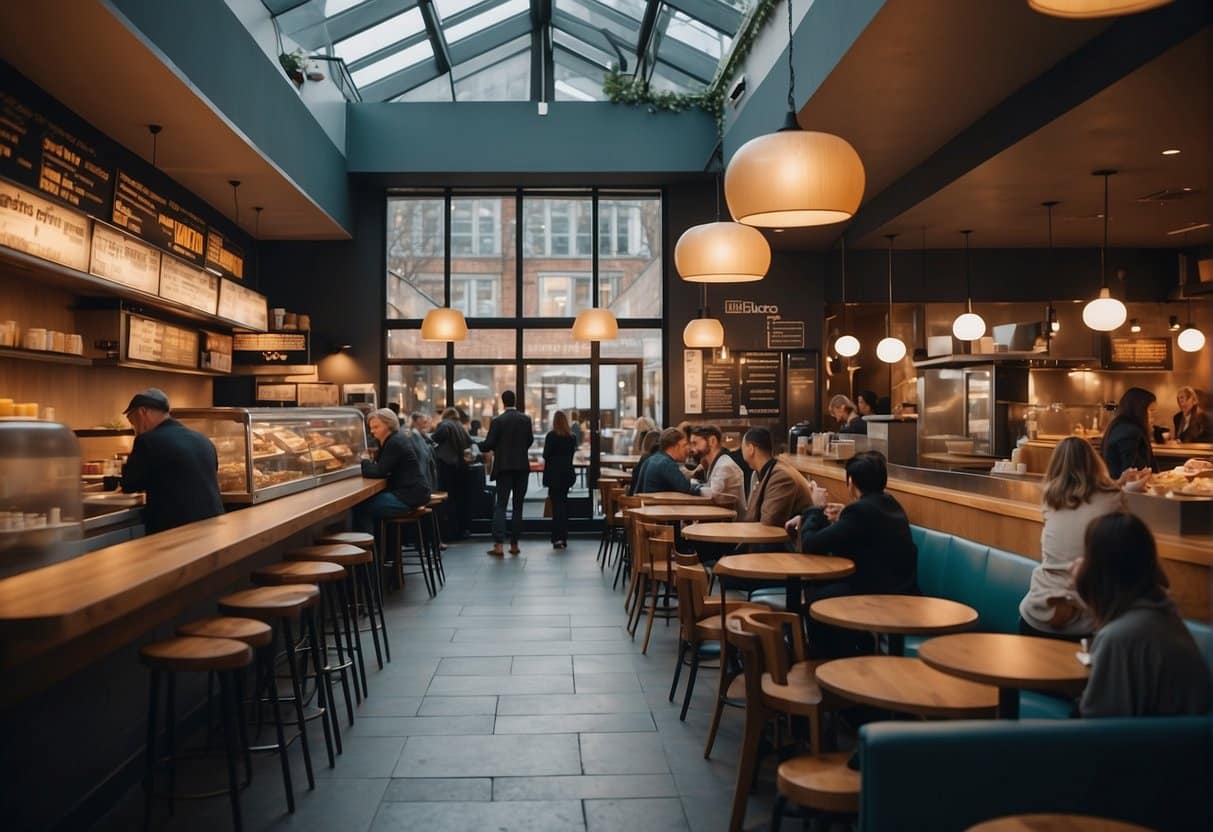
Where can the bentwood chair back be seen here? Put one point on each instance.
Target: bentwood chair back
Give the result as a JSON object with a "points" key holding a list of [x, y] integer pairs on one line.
{"points": [[748, 647], [776, 630]]}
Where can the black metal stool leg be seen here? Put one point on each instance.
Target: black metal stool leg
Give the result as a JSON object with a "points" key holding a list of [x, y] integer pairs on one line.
{"points": [[387, 649], [324, 687], [353, 635], [227, 707], [170, 731], [265, 669], [329, 604], [377, 606], [300, 720], [437, 535], [149, 770], [238, 678], [358, 603]]}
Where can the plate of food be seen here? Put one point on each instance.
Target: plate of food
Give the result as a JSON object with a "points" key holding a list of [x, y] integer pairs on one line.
{"points": [[1197, 468], [289, 441], [1199, 487]]}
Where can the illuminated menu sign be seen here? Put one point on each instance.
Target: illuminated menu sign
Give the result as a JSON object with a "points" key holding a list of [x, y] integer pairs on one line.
{"points": [[223, 256], [244, 306], [124, 260], [1137, 353], [161, 343], [720, 389], [161, 221], [761, 383], [271, 348], [195, 288], [43, 228]]}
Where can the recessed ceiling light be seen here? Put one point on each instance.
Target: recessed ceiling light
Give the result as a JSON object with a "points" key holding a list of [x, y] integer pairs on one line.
{"points": [[1171, 152], [777, 230]]}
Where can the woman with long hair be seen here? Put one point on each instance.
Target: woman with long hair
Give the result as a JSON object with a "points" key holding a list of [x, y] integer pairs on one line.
{"points": [[558, 475], [1144, 662], [648, 447], [848, 418], [451, 443], [1126, 442], [1191, 423], [643, 425], [1076, 490]]}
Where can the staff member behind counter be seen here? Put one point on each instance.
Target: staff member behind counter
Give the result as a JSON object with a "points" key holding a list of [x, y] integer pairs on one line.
{"points": [[174, 465], [1192, 423]]}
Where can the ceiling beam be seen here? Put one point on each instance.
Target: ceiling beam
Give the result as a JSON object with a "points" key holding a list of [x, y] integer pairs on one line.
{"points": [[433, 29], [645, 37], [1120, 49]]}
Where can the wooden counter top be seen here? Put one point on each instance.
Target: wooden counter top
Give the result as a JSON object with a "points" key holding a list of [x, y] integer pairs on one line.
{"points": [[1180, 450], [52, 606]]}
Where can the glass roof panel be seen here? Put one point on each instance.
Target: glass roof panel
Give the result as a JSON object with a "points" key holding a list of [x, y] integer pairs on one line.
{"points": [[436, 89], [332, 7], [392, 63], [581, 49], [505, 80], [390, 31], [576, 79], [698, 35], [450, 8], [484, 20]]}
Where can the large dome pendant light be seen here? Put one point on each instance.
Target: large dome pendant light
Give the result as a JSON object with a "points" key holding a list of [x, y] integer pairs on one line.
{"points": [[1105, 313], [595, 324], [968, 326], [1190, 339], [794, 178], [722, 252], [890, 350], [847, 345], [1087, 9]]}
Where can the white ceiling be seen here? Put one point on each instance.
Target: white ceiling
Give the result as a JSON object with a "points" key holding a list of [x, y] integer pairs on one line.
{"points": [[96, 67]]}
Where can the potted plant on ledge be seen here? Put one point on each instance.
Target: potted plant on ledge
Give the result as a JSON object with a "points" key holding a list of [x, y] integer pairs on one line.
{"points": [[294, 64]]}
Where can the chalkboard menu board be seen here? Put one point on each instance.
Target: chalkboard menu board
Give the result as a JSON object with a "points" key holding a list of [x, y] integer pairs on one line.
{"points": [[268, 348], [42, 228], [223, 256], [1137, 353], [124, 260], [182, 283], [244, 306], [38, 152], [161, 343], [761, 382], [163, 222], [720, 389]]}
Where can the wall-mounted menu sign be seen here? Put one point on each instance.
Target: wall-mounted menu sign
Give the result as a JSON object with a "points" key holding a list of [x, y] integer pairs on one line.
{"points": [[223, 255], [244, 306], [1137, 353], [161, 343], [761, 383], [124, 260], [217, 352], [316, 394], [277, 392], [42, 154], [692, 381], [182, 283], [720, 389], [271, 348], [42, 228], [785, 335], [157, 219]]}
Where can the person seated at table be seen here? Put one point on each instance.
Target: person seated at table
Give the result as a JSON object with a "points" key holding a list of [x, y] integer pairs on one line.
{"points": [[1144, 662], [648, 447], [1192, 423], [397, 463], [643, 425], [1075, 491], [777, 490], [663, 470], [848, 418], [722, 480]]}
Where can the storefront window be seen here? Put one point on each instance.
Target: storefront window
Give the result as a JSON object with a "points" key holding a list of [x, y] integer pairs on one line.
{"points": [[415, 256], [478, 389], [629, 252], [417, 388]]}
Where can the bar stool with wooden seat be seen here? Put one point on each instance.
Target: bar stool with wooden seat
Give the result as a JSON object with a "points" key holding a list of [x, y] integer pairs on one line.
{"points": [[358, 563], [282, 607], [437, 498], [186, 654], [258, 636], [392, 533], [365, 541], [330, 577]]}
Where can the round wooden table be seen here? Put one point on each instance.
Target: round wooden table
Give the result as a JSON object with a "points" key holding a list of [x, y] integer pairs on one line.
{"points": [[895, 615], [907, 686], [1056, 823], [674, 498], [673, 513], [745, 532], [1010, 662], [789, 567]]}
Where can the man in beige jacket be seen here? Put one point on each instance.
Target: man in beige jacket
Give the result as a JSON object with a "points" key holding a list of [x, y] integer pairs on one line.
{"points": [[778, 492]]}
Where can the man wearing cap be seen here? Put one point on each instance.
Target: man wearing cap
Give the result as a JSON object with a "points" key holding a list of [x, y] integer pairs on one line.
{"points": [[175, 466]]}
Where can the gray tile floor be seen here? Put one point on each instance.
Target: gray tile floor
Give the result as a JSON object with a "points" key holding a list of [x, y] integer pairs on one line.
{"points": [[514, 701]]}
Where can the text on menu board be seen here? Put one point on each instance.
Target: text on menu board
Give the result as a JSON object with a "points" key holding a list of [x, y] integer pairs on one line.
{"points": [[271, 348], [223, 256], [124, 260], [42, 228], [1140, 353], [244, 306], [720, 389], [161, 221], [161, 343], [761, 383], [195, 288]]}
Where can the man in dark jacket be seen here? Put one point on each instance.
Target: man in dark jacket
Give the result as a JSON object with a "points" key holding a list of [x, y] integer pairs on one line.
{"points": [[176, 467], [509, 440], [663, 470], [407, 487], [874, 532]]}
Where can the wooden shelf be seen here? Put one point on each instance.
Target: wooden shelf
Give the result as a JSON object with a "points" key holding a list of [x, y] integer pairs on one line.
{"points": [[45, 355], [159, 368]]}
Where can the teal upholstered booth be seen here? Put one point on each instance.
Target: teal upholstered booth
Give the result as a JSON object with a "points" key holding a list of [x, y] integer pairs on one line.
{"points": [[944, 776]]}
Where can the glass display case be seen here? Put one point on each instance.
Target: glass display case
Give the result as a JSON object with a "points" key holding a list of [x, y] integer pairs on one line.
{"points": [[40, 503], [966, 416], [265, 453]]}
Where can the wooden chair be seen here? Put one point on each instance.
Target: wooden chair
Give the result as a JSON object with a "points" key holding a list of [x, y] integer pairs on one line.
{"points": [[822, 785], [612, 525], [748, 647], [654, 570], [789, 681], [623, 565]]}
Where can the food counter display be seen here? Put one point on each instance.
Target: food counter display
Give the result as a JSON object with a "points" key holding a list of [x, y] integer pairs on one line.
{"points": [[266, 453], [40, 507]]}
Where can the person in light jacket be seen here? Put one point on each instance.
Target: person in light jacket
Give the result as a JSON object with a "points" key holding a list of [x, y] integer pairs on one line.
{"points": [[1144, 662]]}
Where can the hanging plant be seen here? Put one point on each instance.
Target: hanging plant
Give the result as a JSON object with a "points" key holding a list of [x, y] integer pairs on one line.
{"points": [[630, 89], [294, 64]]}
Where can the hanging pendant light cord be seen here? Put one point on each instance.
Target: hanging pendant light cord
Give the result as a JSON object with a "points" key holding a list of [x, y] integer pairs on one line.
{"points": [[1103, 252], [888, 324], [844, 284], [791, 68], [968, 274]]}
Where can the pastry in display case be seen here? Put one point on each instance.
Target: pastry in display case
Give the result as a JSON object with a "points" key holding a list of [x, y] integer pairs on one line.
{"points": [[265, 453], [41, 510]]}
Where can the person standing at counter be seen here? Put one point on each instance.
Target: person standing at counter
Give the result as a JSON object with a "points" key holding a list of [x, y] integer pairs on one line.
{"points": [[407, 487], [867, 403], [509, 439], [451, 444], [1192, 423], [175, 466], [1126, 442], [849, 420]]}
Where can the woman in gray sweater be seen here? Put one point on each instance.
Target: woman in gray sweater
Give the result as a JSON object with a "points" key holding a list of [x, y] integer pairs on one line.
{"points": [[1144, 662]]}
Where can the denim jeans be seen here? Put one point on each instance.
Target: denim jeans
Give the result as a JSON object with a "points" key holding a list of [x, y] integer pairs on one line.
{"points": [[368, 513], [509, 483]]}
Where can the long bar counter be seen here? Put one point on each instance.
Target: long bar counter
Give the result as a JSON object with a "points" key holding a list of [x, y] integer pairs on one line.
{"points": [[1005, 512], [59, 618]]}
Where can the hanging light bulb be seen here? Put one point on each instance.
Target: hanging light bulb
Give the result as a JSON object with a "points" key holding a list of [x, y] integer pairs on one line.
{"points": [[890, 350], [1086, 9], [968, 326], [1190, 339], [1135, 326], [794, 177], [444, 324], [595, 324], [1105, 313], [846, 345]]}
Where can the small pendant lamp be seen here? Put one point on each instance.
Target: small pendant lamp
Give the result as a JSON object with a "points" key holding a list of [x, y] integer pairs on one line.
{"points": [[890, 350], [794, 177], [847, 345], [1085, 9], [705, 332], [968, 326], [595, 324], [1190, 339], [1105, 313], [444, 324]]}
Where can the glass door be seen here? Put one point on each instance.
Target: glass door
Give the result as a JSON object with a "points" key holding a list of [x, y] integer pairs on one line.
{"points": [[547, 389]]}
